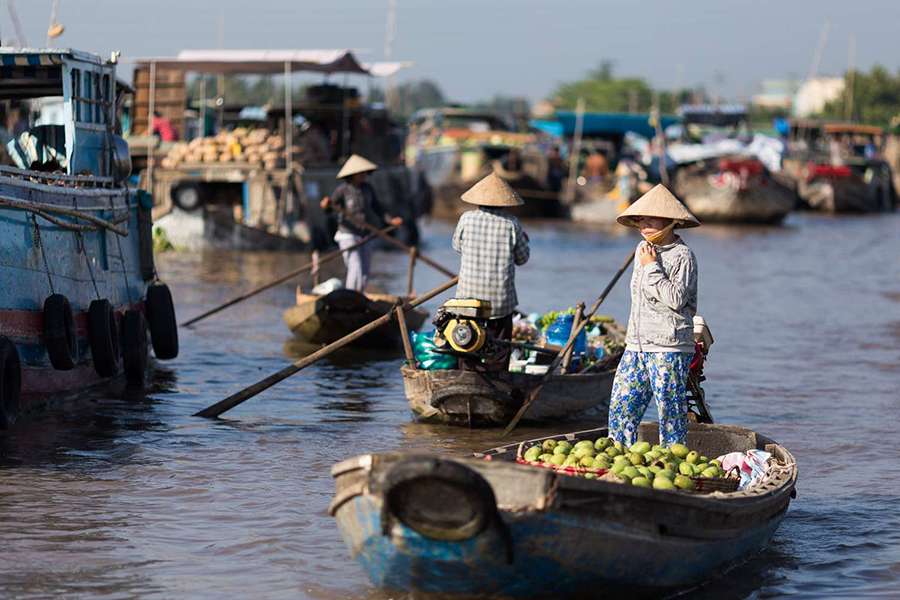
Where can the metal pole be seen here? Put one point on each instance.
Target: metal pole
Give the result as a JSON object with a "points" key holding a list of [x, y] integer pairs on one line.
{"points": [[288, 142], [151, 108], [576, 151], [202, 130]]}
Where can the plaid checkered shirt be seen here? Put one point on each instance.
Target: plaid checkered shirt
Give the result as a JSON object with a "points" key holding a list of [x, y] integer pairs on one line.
{"points": [[491, 243]]}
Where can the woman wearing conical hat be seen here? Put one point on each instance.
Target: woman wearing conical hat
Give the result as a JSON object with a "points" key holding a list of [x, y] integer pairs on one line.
{"points": [[659, 343], [491, 243], [356, 202]]}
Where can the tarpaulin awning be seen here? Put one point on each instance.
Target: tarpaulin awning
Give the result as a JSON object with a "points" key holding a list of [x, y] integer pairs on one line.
{"points": [[386, 69], [253, 62]]}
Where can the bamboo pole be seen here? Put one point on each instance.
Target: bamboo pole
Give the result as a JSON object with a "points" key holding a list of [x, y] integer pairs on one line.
{"points": [[404, 334], [315, 262], [575, 331], [413, 252], [245, 394], [576, 323]]}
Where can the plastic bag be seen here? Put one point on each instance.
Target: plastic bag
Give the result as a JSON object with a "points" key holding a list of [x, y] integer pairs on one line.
{"points": [[424, 352], [559, 331]]}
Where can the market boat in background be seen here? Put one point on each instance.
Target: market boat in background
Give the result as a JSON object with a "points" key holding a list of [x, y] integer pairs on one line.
{"points": [[456, 147], [599, 201], [323, 319], [256, 180], [488, 526], [721, 175], [78, 286], [835, 167], [478, 399]]}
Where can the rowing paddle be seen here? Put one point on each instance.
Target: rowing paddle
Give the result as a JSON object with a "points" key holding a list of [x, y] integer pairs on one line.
{"points": [[245, 394], [575, 331], [323, 259]]}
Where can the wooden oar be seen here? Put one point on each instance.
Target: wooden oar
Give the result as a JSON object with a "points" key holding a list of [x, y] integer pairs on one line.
{"points": [[397, 243], [575, 331], [245, 394], [322, 259]]}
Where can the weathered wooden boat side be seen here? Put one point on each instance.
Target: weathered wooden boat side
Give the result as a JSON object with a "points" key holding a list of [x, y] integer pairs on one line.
{"points": [[325, 319], [460, 397], [544, 534], [764, 200]]}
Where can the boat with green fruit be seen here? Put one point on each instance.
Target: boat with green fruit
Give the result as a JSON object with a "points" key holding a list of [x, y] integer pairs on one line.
{"points": [[492, 525]]}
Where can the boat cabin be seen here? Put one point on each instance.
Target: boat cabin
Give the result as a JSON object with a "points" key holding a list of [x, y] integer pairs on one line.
{"points": [[59, 109], [709, 123]]}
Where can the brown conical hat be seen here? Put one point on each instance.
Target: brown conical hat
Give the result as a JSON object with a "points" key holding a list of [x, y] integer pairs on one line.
{"points": [[658, 202], [492, 191], [356, 164]]}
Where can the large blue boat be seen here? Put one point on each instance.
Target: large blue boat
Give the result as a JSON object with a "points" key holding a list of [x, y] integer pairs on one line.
{"points": [[78, 286], [488, 526]]}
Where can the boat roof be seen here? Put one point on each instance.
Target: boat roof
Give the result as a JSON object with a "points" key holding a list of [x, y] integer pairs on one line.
{"points": [[599, 124], [713, 114], [852, 128], [258, 62], [43, 57]]}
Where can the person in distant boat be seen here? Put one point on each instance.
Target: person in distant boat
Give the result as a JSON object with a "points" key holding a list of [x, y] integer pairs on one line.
{"points": [[356, 202], [491, 243], [163, 128], [659, 343], [596, 168]]}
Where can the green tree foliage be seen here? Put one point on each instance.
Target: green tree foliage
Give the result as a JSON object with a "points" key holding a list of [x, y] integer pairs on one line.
{"points": [[875, 97]]}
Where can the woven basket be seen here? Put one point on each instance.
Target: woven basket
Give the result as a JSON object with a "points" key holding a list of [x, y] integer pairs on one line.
{"points": [[708, 485], [575, 471]]}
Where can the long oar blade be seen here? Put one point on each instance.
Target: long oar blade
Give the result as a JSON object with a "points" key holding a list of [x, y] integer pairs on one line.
{"points": [[245, 394]]}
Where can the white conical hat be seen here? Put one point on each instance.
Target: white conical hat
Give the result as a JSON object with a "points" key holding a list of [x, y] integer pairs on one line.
{"points": [[356, 164], [658, 202], [492, 191]]}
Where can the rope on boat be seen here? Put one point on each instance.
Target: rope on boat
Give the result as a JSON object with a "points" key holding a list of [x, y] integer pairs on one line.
{"points": [[37, 239], [46, 211]]}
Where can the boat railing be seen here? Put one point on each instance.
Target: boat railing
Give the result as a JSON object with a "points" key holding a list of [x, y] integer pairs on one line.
{"points": [[58, 178]]}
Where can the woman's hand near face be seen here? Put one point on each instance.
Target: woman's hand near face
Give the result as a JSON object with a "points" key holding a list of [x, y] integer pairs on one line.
{"points": [[646, 254]]}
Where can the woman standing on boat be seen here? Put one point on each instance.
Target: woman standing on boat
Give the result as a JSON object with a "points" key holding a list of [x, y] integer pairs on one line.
{"points": [[356, 203], [660, 339]]}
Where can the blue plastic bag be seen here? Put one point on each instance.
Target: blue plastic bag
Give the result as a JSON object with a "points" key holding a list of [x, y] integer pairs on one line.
{"points": [[559, 331]]}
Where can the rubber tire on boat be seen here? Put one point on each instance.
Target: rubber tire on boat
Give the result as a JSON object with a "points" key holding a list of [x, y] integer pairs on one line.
{"points": [[161, 318], [10, 383], [103, 335], [187, 197], [59, 332], [135, 354], [420, 492]]}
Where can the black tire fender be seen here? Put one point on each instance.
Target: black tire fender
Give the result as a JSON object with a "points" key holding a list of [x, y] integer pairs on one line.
{"points": [[103, 334], [59, 332], [160, 310], [439, 499], [187, 196], [135, 354], [10, 383]]}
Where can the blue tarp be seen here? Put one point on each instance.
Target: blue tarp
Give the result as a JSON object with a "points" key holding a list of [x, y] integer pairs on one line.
{"points": [[599, 124]]}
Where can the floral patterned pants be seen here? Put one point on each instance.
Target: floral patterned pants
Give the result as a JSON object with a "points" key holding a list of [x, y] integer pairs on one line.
{"points": [[643, 376]]}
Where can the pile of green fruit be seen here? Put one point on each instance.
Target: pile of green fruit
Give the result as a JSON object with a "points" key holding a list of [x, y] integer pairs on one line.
{"points": [[640, 464]]}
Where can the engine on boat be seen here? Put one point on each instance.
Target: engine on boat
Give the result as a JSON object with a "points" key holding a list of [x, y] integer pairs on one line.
{"points": [[461, 329]]}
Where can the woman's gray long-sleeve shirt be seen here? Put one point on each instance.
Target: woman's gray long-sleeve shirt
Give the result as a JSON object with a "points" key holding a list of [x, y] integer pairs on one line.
{"points": [[663, 301]]}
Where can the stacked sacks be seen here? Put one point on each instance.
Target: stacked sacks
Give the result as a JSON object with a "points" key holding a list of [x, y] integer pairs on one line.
{"points": [[257, 147]]}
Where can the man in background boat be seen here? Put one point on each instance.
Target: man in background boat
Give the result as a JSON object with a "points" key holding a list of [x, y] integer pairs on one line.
{"points": [[659, 343], [356, 203], [491, 243]]}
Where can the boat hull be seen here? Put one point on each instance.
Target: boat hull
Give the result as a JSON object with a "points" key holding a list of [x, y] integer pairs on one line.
{"points": [[761, 200], [41, 258], [553, 534], [468, 398], [326, 319]]}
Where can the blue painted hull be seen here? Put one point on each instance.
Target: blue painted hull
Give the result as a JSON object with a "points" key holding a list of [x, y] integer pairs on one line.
{"points": [[38, 258], [552, 553]]}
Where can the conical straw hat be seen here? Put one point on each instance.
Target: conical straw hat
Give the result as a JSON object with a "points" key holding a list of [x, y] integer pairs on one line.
{"points": [[658, 202], [356, 164], [492, 191]]}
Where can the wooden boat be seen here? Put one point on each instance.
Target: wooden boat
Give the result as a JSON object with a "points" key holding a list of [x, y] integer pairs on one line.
{"points": [[470, 398], [733, 190], [325, 319], [488, 526]]}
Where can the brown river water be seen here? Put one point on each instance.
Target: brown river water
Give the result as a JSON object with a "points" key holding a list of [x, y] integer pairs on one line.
{"points": [[127, 495]]}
